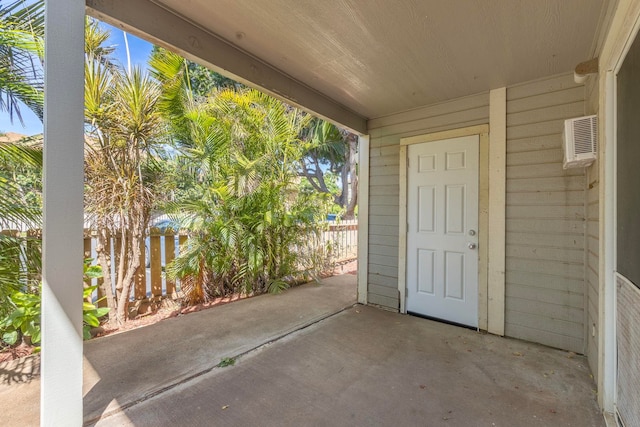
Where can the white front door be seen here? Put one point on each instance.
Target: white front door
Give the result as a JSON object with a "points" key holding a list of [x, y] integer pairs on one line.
{"points": [[442, 229]]}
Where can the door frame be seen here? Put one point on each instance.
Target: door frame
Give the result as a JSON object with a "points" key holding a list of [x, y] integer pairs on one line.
{"points": [[489, 297], [624, 28], [437, 305]]}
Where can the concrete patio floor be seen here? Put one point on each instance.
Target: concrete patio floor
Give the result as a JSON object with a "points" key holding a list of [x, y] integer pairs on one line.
{"points": [[310, 357]]}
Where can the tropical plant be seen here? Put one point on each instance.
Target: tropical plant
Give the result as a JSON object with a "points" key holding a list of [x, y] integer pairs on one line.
{"points": [[21, 83], [21, 55], [19, 252], [91, 313], [332, 152], [251, 221], [124, 130], [24, 319], [203, 81]]}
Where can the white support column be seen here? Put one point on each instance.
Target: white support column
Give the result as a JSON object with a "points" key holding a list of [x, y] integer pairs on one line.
{"points": [[497, 199], [61, 379], [607, 354], [363, 218]]}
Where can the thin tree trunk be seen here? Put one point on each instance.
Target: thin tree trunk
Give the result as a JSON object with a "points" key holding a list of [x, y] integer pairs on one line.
{"points": [[104, 259], [353, 174], [120, 279], [129, 264]]}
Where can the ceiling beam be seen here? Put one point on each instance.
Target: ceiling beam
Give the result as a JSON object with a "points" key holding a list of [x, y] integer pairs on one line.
{"points": [[162, 27]]}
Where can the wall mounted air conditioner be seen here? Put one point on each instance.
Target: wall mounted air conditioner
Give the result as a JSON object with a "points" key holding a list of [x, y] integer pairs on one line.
{"points": [[580, 140]]}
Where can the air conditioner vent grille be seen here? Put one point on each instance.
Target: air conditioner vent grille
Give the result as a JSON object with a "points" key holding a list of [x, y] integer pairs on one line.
{"points": [[585, 135], [580, 141]]}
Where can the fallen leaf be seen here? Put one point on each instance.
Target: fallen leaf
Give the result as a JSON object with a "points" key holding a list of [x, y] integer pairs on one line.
{"points": [[225, 407], [517, 353], [422, 386]]}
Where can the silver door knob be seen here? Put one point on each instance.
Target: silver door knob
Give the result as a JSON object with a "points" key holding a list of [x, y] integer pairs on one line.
{"points": [[472, 245]]}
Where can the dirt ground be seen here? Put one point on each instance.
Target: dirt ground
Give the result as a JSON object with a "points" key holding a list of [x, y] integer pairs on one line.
{"points": [[167, 310]]}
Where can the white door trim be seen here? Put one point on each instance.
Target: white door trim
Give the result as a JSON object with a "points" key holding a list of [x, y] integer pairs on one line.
{"points": [[485, 292]]}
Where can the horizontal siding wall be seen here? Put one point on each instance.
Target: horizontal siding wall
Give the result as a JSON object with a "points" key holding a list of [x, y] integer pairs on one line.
{"points": [[545, 217], [385, 134]]}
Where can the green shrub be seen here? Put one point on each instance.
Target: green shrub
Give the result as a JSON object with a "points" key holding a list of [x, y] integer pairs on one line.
{"points": [[24, 320]]}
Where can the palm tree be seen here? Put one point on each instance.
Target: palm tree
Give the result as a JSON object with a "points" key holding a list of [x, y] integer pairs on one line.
{"points": [[250, 220], [19, 254], [124, 130], [21, 56], [21, 82]]}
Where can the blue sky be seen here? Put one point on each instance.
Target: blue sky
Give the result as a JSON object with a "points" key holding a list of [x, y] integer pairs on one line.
{"points": [[139, 51]]}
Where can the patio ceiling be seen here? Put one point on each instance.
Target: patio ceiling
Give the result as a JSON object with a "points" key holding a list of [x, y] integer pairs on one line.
{"points": [[354, 60]]}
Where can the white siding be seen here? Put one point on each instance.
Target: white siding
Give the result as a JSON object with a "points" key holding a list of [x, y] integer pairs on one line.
{"points": [[385, 134], [545, 217]]}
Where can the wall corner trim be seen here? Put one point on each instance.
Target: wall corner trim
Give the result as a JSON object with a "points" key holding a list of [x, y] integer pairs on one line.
{"points": [[497, 202], [363, 219]]}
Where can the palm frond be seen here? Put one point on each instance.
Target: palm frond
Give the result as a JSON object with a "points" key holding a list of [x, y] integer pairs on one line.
{"points": [[21, 55]]}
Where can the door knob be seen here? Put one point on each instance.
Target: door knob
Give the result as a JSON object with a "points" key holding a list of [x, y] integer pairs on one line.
{"points": [[472, 245]]}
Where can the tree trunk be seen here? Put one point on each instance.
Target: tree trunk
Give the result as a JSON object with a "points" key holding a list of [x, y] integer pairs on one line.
{"points": [[129, 263], [122, 257], [352, 202], [104, 259]]}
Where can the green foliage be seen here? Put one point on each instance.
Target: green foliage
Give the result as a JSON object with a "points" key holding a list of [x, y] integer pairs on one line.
{"points": [[226, 361], [21, 176], [19, 267], [24, 319], [203, 81], [329, 160], [21, 54], [122, 167], [250, 224], [91, 314], [20, 201]]}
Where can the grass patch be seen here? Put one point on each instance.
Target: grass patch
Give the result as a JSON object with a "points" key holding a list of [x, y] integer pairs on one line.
{"points": [[226, 361]]}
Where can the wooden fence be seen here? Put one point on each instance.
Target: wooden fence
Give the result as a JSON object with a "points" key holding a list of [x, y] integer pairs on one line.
{"points": [[341, 238]]}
